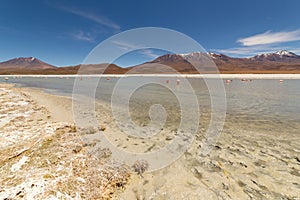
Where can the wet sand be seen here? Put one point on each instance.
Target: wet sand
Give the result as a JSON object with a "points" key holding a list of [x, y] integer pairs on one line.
{"points": [[246, 165], [247, 162]]}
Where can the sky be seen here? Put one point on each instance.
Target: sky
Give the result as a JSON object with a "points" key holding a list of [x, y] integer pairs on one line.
{"points": [[63, 33]]}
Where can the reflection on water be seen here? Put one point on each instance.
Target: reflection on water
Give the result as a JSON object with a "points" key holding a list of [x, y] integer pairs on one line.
{"points": [[261, 104]]}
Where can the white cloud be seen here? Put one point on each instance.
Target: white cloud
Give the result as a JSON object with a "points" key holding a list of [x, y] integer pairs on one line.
{"points": [[247, 50], [96, 18], [99, 19], [264, 43], [254, 50], [129, 46], [149, 53], [295, 50], [271, 38], [125, 45], [82, 36]]}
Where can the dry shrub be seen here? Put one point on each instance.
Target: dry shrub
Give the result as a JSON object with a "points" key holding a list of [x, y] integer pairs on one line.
{"points": [[140, 166], [65, 173]]}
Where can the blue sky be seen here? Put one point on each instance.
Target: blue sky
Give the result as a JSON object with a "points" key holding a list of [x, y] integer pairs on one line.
{"points": [[63, 32]]}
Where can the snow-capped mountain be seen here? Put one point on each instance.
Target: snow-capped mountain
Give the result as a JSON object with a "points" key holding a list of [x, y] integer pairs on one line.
{"points": [[286, 53], [282, 55], [276, 62], [25, 63], [278, 56]]}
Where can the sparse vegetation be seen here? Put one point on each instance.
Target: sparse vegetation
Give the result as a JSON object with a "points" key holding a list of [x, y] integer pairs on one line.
{"points": [[140, 166], [52, 162]]}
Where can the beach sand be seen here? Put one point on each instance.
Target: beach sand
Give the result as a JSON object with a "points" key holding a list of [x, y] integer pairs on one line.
{"points": [[243, 166], [43, 156], [251, 160]]}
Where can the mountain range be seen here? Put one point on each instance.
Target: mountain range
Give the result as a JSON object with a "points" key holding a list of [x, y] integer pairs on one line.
{"points": [[284, 62]]}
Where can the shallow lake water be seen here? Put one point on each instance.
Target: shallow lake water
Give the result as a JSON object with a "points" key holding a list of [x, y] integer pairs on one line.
{"points": [[259, 102]]}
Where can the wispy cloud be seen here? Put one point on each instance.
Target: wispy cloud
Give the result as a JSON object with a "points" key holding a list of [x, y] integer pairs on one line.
{"points": [[271, 38], [95, 17], [244, 51], [149, 53], [99, 19], [295, 50], [125, 45], [254, 50], [264, 43], [82, 36], [129, 46]]}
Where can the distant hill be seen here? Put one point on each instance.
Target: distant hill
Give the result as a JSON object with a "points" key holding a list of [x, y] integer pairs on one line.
{"points": [[279, 56], [30, 63], [181, 63], [277, 62], [173, 61], [284, 62], [34, 66], [104, 68]]}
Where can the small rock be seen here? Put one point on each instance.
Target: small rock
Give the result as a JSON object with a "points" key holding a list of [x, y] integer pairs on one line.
{"points": [[47, 176], [89, 144], [197, 173], [244, 165], [295, 172], [102, 128], [225, 187], [168, 138], [77, 149], [73, 129], [241, 184]]}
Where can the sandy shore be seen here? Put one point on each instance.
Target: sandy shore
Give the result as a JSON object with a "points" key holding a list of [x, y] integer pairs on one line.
{"points": [[45, 158], [42, 155], [242, 165], [60, 107], [248, 162]]}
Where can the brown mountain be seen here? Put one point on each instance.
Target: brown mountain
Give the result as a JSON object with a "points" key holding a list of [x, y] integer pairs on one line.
{"points": [[279, 56], [29, 63], [32, 65], [104, 68], [277, 62], [168, 63], [24, 66]]}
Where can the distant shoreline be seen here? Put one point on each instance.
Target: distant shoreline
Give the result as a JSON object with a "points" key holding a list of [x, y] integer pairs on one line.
{"points": [[223, 76]]}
